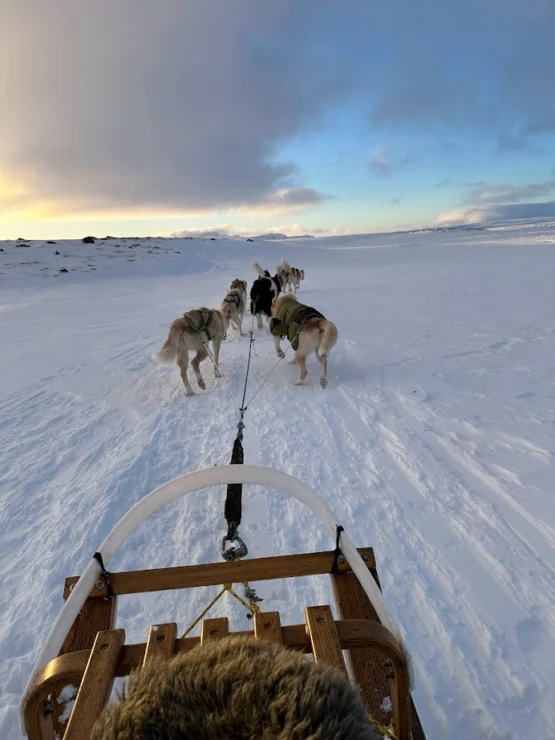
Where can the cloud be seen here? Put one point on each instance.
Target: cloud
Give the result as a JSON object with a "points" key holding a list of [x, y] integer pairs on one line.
{"points": [[541, 125], [230, 230], [130, 107], [504, 193], [497, 213], [469, 69], [285, 201], [380, 164], [442, 183], [485, 203], [517, 143]]}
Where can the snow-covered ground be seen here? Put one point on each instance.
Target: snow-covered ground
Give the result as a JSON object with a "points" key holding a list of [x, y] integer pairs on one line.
{"points": [[434, 443]]}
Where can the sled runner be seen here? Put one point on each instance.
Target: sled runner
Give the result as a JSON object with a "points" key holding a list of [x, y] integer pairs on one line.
{"points": [[85, 649]]}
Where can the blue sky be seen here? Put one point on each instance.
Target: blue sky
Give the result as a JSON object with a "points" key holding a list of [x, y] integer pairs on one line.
{"points": [[313, 116]]}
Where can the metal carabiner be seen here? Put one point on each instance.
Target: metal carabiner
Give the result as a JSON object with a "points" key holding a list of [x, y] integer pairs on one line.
{"points": [[233, 553]]}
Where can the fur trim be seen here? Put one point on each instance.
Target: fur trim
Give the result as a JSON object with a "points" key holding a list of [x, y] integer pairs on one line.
{"points": [[237, 688]]}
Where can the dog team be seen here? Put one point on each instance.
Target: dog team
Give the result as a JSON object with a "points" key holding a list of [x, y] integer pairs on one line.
{"points": [[306, 328]]}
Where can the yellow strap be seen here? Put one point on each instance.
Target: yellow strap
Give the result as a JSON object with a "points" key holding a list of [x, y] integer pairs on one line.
{"points": [[386, 731], [251, 606], [203, 613]]}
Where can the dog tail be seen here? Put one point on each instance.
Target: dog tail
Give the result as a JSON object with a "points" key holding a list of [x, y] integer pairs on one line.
{"points": [[328, 338], [168, 352], [285, 265], [259, 270]]}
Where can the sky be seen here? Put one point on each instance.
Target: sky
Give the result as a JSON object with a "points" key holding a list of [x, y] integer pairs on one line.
{"points": [[298, 116]]}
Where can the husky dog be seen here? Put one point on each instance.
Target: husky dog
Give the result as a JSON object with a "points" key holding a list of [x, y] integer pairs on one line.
{"points": [[307, 330], [296, 277], [264, 289], [283, 269], [193, 332], [234, 304], [290, 276], [242, 284]]}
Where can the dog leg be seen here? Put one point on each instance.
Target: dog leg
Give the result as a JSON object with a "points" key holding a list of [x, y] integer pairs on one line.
{"points": [[301, 362], [183, 364], [323, 376], [216, 343], [259, 321], [201, 355], [279, 352]]}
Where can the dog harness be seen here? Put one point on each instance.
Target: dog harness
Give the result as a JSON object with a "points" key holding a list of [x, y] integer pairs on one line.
{"points": [[290, 319], [206, 315], [233, 299]]}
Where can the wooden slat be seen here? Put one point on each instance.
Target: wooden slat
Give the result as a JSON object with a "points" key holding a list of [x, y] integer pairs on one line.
{"points": [[161, 642], [326, 646], [370, 668], [214, 629], [96, 615], [267, 626], [214, 574], [401, 705], [96, 685]]}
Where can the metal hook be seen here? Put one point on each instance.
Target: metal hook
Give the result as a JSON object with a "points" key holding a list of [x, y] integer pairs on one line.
{"points": [[233, 553]]}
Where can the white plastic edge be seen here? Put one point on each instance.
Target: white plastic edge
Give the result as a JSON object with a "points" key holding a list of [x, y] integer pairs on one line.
{"points": [[174, 489]]}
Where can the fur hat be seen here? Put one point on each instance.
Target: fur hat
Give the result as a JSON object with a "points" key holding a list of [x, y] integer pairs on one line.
{"points": [[237, 688]]}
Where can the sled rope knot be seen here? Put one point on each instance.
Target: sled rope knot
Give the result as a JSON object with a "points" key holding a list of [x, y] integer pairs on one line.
{"points": [[337, 552], [105, 576]]}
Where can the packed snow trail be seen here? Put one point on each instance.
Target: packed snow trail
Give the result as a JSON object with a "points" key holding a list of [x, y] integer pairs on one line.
{"points": [[433, 443]]}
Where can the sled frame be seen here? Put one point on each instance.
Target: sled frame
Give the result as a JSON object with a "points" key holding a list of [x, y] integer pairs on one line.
{"points": [[94, 652]]}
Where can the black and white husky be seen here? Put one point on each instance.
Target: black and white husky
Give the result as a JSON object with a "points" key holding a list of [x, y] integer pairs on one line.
{"points": [[264, 289]]}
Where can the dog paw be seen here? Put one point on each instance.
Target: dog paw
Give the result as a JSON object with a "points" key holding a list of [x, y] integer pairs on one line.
{"points": [[189, 392], [217, 374], [323, 382], [201, 384], [299, 382], [280, 353]]}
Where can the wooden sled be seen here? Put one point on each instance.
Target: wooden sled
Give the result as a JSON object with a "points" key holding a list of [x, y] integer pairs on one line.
{"points": [[94, 652]]}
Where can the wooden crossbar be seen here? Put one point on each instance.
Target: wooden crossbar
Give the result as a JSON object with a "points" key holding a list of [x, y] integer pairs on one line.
{"points": [[214, 574]]}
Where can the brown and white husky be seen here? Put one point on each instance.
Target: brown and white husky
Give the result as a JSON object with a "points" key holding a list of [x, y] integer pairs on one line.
{"points": [[193, 332]]}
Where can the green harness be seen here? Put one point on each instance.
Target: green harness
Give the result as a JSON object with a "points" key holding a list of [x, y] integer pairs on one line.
{"points": [[290, 319]]}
